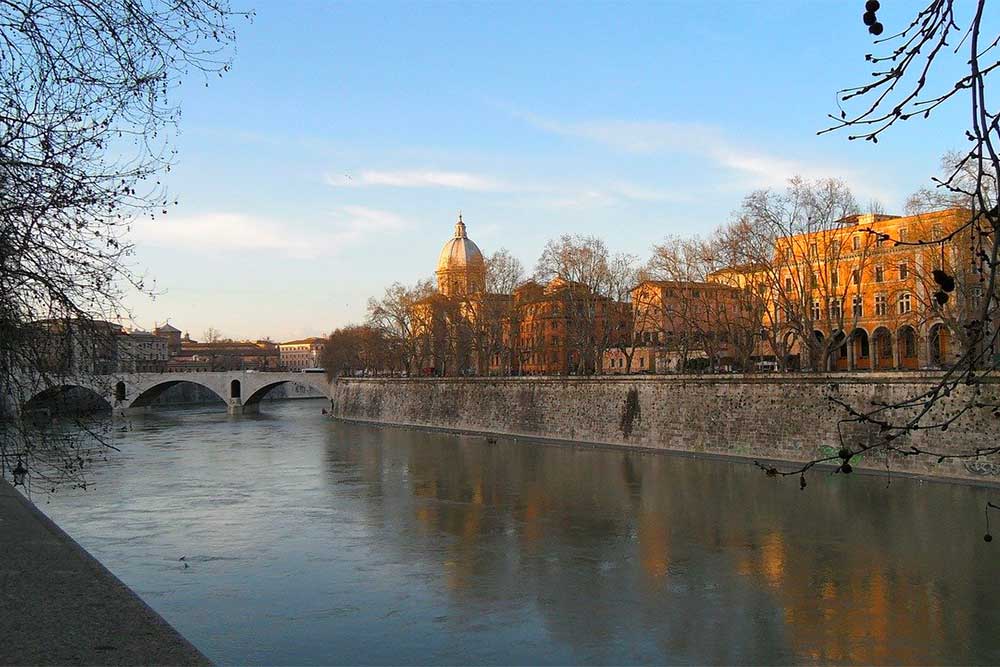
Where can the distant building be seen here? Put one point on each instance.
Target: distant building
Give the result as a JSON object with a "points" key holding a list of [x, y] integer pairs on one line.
{"points": [[680, 325], [142, 352], [258, 355], [172, 336], [459, 328], [188, 364], [68, 346], [564, 327], [295, 355]]}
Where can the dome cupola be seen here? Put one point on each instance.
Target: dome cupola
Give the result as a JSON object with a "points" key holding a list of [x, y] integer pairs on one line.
{"points": [[461, 269]]}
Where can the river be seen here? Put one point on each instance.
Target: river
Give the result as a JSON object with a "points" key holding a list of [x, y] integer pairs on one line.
{"points": [[286, 538]]}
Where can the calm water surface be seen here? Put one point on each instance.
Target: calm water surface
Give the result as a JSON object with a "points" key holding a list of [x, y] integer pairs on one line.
{"points": [[313, 542]]}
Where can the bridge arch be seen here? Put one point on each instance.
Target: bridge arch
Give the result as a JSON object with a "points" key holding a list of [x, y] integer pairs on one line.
{"points": [[255, 397], [45, 399], [147, 395]]}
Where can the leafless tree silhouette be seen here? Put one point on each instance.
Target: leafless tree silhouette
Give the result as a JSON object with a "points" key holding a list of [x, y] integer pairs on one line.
{"points": [[910, 81], [87, 119]]}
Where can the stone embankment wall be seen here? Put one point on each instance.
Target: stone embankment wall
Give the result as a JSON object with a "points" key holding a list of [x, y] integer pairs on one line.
{"points": [[765, 417]]}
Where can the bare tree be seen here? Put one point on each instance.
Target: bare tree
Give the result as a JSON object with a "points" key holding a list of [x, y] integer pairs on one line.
{"points": [[211, 335], [354, 350], [795, 238], [965, 177], [399, 318], [504, 272], [913, 76], [87, 120], [591, 279], [674, 306], [491, 315]]}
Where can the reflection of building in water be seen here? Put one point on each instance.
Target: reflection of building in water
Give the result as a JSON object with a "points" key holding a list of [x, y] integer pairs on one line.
{"points": [[695, 560]]}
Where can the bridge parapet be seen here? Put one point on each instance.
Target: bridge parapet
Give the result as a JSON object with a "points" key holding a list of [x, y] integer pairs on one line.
{"points": [[242, 391]]}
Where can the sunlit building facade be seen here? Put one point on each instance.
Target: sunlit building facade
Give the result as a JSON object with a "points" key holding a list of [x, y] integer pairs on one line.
{"points": [[869, 283]]}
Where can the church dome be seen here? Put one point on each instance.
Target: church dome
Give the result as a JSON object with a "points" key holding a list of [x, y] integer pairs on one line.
{"points": [[460, 252]]}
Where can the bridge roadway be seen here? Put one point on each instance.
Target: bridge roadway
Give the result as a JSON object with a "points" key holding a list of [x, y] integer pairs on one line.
{"points": [[131, 392]]}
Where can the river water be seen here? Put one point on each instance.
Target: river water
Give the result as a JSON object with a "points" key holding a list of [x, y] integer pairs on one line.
{"points": [[286, 538]]}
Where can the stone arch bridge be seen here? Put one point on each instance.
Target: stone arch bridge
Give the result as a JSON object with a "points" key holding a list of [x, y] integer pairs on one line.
{"points": [[242, 391]]}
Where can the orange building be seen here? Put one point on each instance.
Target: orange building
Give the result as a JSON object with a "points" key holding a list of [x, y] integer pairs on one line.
{"points": [[864, 292], [564, 328], [459, 329], [680, 324]]}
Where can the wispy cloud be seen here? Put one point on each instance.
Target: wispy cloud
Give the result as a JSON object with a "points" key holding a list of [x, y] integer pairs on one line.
{"points": [[241, 233], [457, 180], [554, 195], [760, 168]]}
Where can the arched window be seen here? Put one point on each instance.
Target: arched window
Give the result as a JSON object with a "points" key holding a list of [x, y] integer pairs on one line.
{"points": [[234, 389]]}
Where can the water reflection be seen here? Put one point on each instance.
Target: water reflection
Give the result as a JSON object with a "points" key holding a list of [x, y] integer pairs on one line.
{"points": [[319, 542]]}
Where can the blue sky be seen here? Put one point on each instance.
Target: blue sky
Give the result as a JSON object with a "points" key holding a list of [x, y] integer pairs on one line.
{"points": [[333, 159]]}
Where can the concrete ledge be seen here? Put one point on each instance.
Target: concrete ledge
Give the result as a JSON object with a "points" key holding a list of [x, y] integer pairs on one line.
{"points": [[60, 606]]}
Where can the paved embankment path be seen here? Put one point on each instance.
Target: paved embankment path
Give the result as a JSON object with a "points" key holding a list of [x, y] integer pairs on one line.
{"points": [[58, 605]]}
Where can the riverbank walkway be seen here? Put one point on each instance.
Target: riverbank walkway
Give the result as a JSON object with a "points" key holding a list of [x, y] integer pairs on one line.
{"points": [[58, 605]]}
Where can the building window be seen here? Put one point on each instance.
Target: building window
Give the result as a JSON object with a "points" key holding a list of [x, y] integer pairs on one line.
{"points": [[642, 362], [904, 271], [977, 296], [813, 282], [903, 233], [813, 250], [856, 242], [881, 307], [834, 278], [904, 303], [815, 309], [857, 306], [788, 283], [855, 277], [835, 309], [879, 274]]}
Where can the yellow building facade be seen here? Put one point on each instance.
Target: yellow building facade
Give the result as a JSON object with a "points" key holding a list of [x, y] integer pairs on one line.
{"points": [[865, 291]]}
